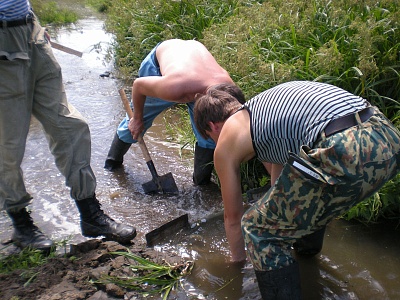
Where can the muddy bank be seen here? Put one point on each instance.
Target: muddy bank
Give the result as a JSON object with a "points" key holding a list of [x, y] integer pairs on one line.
{"points": [[73, 276]]}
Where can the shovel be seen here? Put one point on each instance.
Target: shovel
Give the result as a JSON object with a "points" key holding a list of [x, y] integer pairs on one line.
{"points": [[167, 230], [165, 183], [65, 49]]}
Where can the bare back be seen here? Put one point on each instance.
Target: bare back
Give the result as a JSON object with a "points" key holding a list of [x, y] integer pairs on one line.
{"points": [[187, 68], [190, 63]]}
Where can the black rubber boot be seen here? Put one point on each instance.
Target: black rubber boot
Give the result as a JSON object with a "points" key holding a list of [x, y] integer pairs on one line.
{"points": [[95, 223], [203, 165], [282, 284], [26, 234], [310, 244], [115, 156]]}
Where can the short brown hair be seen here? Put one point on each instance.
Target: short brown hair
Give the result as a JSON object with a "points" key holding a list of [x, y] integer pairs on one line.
{"points": [[214, 106], [231, 89]]}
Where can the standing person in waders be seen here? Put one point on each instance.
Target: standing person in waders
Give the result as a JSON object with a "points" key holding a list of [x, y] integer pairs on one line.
{"points": [[325, 149]]}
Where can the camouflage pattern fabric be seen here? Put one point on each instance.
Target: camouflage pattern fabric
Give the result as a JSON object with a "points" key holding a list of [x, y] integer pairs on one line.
{"points": [[318, 185]]}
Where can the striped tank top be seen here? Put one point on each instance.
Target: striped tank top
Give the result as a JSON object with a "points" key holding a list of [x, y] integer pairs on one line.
{"points": [[293, 114], [13, 9]]}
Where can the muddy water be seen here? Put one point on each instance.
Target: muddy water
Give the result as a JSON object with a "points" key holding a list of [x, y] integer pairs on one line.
{"points": [[356, 262]]}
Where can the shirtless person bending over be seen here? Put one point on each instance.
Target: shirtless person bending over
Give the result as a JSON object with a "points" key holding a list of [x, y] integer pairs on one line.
{"points": [[175, 71]]}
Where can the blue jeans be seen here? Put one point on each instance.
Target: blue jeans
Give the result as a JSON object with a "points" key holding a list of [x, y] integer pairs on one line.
{"points": [[154, 106]]}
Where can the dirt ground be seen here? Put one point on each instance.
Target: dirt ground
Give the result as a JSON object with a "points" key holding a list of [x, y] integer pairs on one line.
{"points": [[71, 276]]}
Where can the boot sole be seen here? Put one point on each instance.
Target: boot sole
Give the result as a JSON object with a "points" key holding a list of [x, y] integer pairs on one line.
{"points": [[110, 236], [45, 250]]}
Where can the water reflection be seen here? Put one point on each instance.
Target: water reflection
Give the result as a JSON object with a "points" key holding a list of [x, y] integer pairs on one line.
{"points": [[356, 262]]}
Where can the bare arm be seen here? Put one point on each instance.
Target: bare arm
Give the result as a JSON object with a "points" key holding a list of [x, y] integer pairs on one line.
{"points": [[170, 88], [229, 176], [234, 146]]}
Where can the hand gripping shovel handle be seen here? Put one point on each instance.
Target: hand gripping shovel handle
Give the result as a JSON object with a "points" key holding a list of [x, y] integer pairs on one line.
{"points": [[140, 140], [165, 183]]}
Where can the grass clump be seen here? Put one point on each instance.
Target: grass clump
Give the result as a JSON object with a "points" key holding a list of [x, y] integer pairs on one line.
{"points": [[29, 258], [49, 12], [149, 277], [100, 5], [24, 260]]}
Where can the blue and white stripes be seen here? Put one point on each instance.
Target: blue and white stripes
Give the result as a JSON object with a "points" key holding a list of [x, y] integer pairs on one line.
{"points": [[13, 9]]}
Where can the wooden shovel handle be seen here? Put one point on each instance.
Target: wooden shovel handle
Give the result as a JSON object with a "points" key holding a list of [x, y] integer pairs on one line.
{"points": [[65, 49], [140, 140]]}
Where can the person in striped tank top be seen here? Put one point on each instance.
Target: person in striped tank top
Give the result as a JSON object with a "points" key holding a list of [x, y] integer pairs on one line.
{"points": [[325, 150], [31, 84]]}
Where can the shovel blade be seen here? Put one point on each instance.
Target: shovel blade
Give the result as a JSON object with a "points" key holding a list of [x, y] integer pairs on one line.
{"points": [[162, 184], [167, 231]]}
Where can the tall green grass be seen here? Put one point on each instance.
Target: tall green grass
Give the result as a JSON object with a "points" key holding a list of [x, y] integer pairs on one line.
{"points": [[139, 25], [50, 12], [349, 43]]}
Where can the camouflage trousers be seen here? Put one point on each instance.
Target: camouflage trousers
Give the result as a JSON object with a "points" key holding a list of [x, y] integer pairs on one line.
{"points": [[318, 185]]}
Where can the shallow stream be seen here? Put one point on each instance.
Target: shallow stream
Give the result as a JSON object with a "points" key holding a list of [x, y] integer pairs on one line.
{"points": [[356, 262]]}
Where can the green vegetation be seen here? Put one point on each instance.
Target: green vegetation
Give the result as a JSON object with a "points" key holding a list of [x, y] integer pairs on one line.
{"points": [[177, 124], [28, 259], [343, 42], [24, 260], [140, 25], [49, 12], [100, 5], [149, 277], [351, 44]]}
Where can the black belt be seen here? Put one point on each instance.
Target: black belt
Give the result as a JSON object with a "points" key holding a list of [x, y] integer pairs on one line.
{"points": [[14, 23], [348, 121]]}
